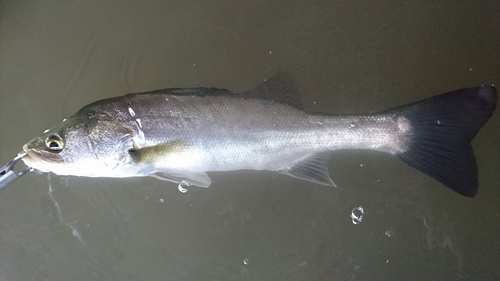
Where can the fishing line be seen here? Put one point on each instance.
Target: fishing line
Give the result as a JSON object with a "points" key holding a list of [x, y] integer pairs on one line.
{"points": [[74, 230]]}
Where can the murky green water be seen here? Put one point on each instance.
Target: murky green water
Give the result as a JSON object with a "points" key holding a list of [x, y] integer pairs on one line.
{"points": [[345, 57]]}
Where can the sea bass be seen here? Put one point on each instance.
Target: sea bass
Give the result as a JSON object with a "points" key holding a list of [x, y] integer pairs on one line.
{"points": [[180, 134]]}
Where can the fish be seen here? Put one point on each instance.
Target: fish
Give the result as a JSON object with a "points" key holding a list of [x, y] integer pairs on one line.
{"points": [[180, 134]]}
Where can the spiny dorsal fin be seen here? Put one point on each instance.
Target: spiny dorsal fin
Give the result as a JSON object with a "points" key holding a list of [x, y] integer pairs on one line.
{"points": [[279, 88], [201, 92]]}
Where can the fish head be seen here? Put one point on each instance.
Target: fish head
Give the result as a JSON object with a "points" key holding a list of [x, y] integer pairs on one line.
{"points": [[91, 147]]}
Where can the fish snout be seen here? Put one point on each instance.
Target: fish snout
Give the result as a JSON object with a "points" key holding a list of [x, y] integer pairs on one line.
{"points": [[37, 154]]}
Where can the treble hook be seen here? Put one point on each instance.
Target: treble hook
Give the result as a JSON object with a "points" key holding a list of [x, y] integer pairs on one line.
{"points": [[7, 173]]}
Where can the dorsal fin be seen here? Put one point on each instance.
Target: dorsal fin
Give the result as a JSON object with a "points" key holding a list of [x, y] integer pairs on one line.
{"points": [[201, 92], [279, 88]]}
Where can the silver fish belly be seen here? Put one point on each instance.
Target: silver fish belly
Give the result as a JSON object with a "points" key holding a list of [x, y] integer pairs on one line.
{"points": [[180, 134]]}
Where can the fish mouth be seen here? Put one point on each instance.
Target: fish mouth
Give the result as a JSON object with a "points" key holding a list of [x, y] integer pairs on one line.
{"points": [[36, 158]]}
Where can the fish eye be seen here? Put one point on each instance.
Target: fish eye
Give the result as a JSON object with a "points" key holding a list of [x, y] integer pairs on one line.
{"points": [[54, 143]]}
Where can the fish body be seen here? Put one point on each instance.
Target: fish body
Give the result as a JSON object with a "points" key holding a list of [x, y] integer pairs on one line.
{"points": [[180, 134]]}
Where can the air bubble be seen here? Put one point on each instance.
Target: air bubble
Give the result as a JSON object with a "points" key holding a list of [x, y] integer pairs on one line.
{"points": [[183, 187], [245, 261], [357, 215], [161, 200]]}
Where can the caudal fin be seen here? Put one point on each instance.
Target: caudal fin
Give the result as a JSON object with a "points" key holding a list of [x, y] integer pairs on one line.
{"points": [[443, 127]]}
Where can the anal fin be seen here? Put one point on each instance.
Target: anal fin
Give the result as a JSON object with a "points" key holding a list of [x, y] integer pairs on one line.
{"points": [[313, 169]]}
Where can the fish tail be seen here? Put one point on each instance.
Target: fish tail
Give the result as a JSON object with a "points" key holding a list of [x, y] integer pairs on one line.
{"points": [[443, 127]]}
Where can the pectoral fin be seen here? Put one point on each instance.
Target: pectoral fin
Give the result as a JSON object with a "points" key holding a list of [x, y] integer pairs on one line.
{"points": [[157, 153], [313, 169], [198, 179]]}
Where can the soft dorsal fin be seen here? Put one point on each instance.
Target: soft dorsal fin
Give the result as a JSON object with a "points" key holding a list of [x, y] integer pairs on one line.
{"points": [[279, 88]]}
